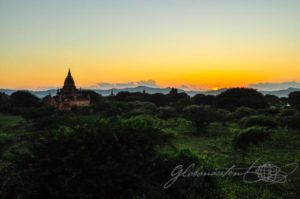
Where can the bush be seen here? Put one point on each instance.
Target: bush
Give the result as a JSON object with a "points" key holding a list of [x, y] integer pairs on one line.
{"points": [[287, 112], [252, 135], [167, 112], [259, 120], [292, 122], [241, 112], [199, 115]]}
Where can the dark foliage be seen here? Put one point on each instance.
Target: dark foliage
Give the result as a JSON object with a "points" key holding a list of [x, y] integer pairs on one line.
{"points": [[252, 135], [175, 97], [273, 100], [107, 158], [167, 112], [23, 99], [201, 99], [259, 120], [5, 104], [237, 97], [241, 112], [129, 96], [94, 97], [294, 100], [201, 116], [158, 98], [290, 121], [123, 146]]}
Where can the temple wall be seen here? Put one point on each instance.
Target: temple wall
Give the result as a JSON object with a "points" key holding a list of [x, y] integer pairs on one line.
{"points": [[79, 103], [66, 106]]}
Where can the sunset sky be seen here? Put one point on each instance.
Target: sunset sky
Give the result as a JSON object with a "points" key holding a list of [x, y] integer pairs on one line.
{"points": [[198, 44]]}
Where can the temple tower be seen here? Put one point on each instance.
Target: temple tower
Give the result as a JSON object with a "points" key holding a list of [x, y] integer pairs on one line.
{"points": [[69, 88], [68, 96]]}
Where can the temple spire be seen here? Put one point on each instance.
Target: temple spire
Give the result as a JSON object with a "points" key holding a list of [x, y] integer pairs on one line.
{"points": [[69, 73], [69, 85]]}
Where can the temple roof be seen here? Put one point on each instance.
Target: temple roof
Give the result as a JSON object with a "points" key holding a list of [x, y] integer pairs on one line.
{"points": [[69, 84]]}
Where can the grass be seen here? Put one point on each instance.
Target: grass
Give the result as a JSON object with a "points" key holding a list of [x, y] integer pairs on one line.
{"points": [[283, 148], [12, 128], [8, 122]]}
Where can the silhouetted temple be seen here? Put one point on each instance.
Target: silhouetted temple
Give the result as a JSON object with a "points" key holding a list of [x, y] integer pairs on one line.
{"points": [[68, 96]]}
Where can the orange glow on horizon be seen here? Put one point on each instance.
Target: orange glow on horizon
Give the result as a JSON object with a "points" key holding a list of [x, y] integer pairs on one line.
{"points": [[149, 40]]}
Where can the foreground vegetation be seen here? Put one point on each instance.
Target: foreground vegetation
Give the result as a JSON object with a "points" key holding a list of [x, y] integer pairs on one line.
{"points": [[126, 146]]}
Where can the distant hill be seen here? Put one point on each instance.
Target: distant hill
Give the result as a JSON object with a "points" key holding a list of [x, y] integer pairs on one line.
{"points": [[281, 93], [103, 92], [39, 94], [7, 91], [271, 86], [151, 90]]}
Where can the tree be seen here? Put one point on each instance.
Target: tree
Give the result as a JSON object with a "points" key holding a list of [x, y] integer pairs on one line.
{"points": [[273, 100], [167, 112], [4, 98], [158, 98], [109, 107], [241, 112], [201, 99], [290, 121], [294, 100], [173, 91], [130, 96], [259, 120], [5, 105], [94, 97], [199, 115], [140, 108], [237, 97], [284, 100], [252, 135], [23, 99], [175, 96]]}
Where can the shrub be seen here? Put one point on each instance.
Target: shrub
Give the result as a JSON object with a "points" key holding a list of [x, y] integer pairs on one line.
{"points": [[292, 121], [252, 135], [167, 112], [259, 120], [241, 112], [199, 115]]}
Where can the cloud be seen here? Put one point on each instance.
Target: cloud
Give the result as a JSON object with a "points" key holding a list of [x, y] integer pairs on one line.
{"points": [[106, 85], [192, 87], [43, 88], [149, 82], [269, 86]]}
